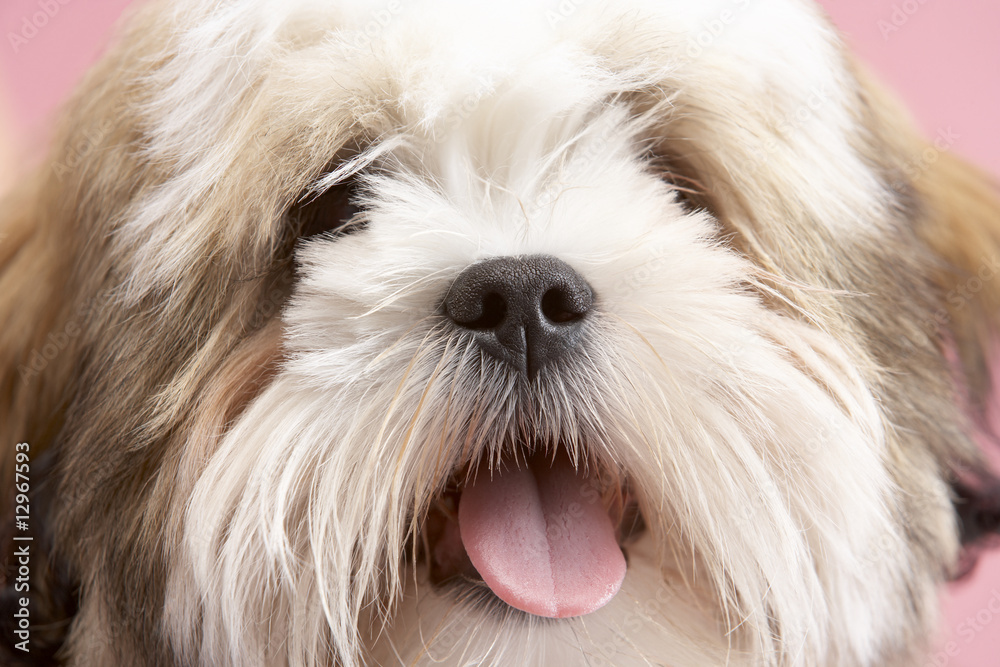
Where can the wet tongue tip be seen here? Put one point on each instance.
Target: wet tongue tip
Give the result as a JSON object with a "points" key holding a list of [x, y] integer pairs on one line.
{"points": [[539, 536]]}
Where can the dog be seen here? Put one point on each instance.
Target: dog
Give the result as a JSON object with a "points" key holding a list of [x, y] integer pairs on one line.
{"points": [[425, 332]]}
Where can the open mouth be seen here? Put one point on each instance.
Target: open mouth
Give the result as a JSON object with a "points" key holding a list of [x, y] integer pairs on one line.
{"points": [[545, 535]]}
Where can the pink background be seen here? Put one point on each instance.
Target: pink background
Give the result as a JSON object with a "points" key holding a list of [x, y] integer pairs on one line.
{"points": [[942, 57]]}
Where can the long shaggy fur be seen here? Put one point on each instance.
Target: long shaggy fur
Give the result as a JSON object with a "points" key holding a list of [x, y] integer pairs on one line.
{"points": [[239, 430]]}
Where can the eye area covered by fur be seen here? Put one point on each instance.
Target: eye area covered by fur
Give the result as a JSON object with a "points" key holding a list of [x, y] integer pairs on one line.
{"points": [[334, 212]]}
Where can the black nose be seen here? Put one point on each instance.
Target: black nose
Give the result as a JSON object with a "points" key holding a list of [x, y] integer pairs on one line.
{"points": [[526, 311]]}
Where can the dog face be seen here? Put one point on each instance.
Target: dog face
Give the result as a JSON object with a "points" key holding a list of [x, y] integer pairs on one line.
{"points": [[508, 335]]}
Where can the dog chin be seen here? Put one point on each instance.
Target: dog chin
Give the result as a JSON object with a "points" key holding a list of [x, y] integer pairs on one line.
{"points": [[462, 334]]}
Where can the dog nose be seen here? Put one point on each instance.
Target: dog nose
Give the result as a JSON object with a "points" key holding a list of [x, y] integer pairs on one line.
{"points": [[526, 311]]}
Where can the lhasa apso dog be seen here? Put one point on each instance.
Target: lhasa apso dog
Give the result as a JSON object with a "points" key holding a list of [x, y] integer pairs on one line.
{"points": [[427, 332]]}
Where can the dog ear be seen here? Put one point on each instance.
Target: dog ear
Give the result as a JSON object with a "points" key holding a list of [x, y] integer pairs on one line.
{"points": [[953, 208], [931, 279], [959, 220], [962, 225]]}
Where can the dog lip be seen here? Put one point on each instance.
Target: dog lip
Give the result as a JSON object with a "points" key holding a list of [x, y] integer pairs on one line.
{"points": [[448, 561]]}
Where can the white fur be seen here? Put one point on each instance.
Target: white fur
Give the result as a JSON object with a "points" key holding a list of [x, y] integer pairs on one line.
{"points": [[756, 449]]}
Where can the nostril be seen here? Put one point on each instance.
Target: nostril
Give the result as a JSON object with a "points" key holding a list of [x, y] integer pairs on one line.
{"points": [[494, 312], [559, 307], [525, 311]]}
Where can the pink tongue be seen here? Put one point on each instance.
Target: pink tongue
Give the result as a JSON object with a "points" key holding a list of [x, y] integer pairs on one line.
{"points": [[541, 539]]}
